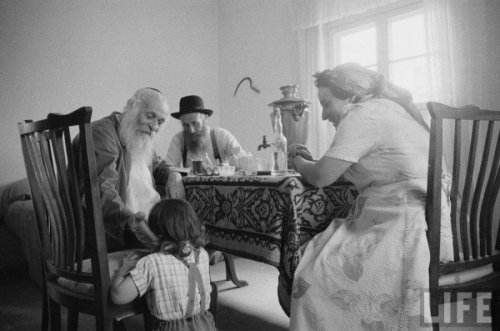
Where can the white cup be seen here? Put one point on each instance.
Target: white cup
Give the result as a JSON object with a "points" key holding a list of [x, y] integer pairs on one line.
{"points": [[226, 170]]}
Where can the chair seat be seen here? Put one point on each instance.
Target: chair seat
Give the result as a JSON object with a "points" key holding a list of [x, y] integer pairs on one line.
{"points": [[114, 262], [465, 276]]}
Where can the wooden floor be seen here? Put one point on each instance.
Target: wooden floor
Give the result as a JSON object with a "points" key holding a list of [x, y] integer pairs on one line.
{"points": [[254, 307], [251, 308]]}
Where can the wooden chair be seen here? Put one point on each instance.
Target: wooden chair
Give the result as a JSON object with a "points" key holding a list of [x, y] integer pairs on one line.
{"points": [[474, 194], [68, 228]]}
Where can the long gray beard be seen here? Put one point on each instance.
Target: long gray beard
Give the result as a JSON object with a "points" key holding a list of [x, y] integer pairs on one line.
{"points": [[138, 145], [197, 142]]}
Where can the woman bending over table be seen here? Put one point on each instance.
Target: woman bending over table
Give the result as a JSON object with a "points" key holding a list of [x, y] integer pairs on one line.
{"points": [[367, 271]]}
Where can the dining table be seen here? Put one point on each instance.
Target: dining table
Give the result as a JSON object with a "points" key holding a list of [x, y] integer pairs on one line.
{"points": [[265, 218]]}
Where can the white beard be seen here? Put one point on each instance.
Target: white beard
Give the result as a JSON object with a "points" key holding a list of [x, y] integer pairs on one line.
{"points": [[139, 145], [141, 194], [197, 142]]}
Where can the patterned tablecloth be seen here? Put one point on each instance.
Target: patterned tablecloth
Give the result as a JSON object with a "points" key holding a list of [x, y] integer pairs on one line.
{"points": [[266, 218]]}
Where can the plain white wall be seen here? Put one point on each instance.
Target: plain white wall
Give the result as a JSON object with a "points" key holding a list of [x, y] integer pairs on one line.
{"points": [[58, 55], [255, 40]]}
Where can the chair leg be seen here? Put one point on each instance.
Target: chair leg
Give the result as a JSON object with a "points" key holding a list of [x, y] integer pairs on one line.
{"points": [[105, 323], [231, 271], [55, 315], [434, 302], [119, 326], [148, 320], [213, 299], [495, 310], [72, 320], [45, 309], [284, 298]]}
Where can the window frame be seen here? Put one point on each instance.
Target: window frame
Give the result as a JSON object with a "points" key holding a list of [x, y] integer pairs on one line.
{"points": [[380, 18]]}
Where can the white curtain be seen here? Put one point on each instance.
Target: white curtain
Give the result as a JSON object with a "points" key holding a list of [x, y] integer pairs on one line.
{"points": [[463, 39], [311, 59], [309, 13]]}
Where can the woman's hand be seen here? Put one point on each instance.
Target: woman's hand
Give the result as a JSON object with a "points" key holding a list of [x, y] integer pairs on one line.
{"points": [[318, 173], [295, 150], [301, 150]]}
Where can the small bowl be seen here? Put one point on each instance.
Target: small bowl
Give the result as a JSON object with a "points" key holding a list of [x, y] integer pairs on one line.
{"points": [[226, 170]]}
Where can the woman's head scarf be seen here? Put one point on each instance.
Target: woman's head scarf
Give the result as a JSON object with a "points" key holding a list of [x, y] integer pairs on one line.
{"points": [[360, 83]]}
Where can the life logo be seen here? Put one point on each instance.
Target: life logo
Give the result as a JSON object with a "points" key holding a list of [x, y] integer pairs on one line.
{"points": [[460, 309]]}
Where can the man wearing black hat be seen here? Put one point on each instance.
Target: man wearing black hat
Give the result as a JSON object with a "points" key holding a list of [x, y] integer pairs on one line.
{"points": [[197, 141]]}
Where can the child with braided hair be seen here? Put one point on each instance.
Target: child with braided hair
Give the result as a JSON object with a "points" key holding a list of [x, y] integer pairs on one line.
{"points": [[175, 279]]}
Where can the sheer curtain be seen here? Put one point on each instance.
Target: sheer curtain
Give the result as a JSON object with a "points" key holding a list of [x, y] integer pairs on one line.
{"points": [[462, 38], [309, 13], [311, 60], [465, 54], [465, 47]]}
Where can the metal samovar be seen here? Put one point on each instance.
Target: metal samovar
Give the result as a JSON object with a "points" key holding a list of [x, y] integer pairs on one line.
{"points": [[294, 115]]}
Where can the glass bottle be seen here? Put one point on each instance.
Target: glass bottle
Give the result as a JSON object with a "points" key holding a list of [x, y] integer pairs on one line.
{"points": [[264, 153], [279, 144]]}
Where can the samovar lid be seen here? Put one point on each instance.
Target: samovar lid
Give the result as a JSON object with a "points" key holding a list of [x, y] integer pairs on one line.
{"points": [[289, 96]]}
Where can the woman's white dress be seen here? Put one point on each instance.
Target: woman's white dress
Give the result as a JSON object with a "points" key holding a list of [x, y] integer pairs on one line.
{"points": [[368, 271]]}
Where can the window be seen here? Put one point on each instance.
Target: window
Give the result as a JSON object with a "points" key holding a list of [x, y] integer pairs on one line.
{"points": [[391, 42]]}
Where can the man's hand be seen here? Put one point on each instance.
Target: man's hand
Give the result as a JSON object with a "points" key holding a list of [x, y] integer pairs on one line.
{"points": [[139, 227], [174, 187]]}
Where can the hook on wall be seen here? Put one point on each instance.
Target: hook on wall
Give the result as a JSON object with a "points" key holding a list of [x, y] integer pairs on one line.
{"points": [[251, 85]]}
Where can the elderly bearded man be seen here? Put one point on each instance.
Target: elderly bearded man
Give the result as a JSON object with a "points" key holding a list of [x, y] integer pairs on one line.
{"points": [[197, 141], [128, 168]]}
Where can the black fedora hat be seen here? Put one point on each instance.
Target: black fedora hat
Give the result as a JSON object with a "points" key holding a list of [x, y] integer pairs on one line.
{"points": [[191, 104]]}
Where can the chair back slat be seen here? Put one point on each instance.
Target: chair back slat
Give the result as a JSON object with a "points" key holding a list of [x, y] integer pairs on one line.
{"points": [[71, 223], [454, 192], [74, 192], [434, 184], [475, 183], [42, 219], [496, 189], [494, 192], [36, 148], [66, 218], [62, 220], [470, 191], [482, 190], [54, 196]]}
